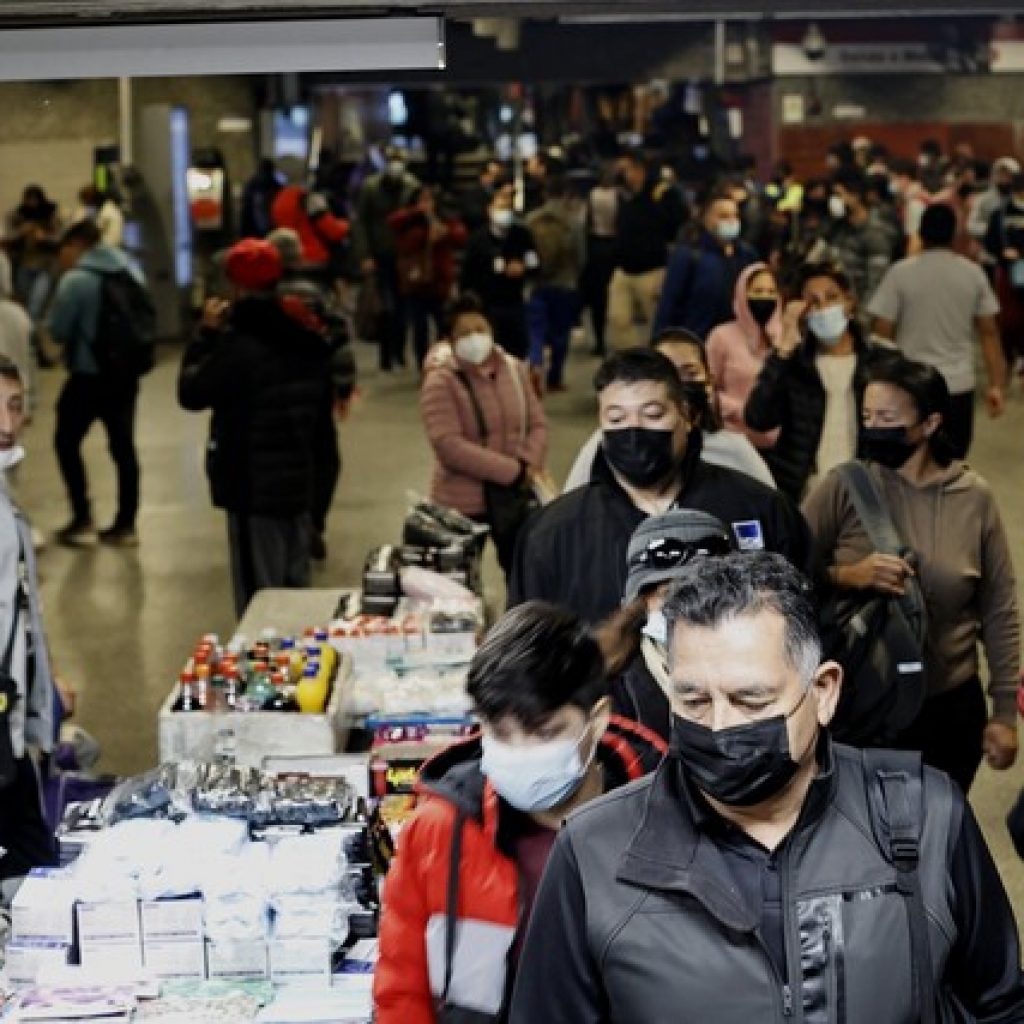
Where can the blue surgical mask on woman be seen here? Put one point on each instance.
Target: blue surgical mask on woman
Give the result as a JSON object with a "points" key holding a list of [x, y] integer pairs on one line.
{"points": [[537, 777], [828, 325], [728, 230]]}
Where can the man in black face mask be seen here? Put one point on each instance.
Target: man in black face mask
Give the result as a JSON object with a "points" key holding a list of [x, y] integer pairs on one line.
{"points": [[573, 553], [764, 873]]}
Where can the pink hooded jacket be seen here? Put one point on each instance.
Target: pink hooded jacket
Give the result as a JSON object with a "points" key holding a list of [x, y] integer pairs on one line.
{"points": [[736, 353]]}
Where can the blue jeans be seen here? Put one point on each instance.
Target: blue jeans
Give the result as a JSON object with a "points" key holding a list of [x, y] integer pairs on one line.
{"points": [[551, 314], [32, 285]]}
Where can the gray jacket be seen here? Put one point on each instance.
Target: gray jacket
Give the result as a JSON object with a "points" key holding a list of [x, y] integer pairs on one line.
{"points": [[865, 252], [557, 217], [33, 718], [639, 919], [380, 197]]}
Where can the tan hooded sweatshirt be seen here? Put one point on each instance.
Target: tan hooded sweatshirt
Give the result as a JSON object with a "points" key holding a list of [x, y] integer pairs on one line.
{"points": [[963, 561]]}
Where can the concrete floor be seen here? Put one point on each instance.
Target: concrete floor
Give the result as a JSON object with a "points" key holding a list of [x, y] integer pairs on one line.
{"points": [[121, 622]]}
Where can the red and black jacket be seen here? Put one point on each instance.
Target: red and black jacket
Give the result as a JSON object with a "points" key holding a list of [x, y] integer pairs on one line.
{"points": [[411, 970]]}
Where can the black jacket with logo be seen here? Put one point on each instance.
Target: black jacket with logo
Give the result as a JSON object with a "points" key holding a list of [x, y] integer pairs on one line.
{"points": [[640, 919], [573, 552], [267, 379]]}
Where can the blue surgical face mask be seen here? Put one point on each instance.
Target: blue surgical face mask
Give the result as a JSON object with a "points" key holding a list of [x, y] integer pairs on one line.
{"points": [[657, 628], [538, 777], [828, 325], [728, 230]]}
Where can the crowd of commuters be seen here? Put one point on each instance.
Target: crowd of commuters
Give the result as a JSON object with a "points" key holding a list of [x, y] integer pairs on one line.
{"points": [[653, 815]]}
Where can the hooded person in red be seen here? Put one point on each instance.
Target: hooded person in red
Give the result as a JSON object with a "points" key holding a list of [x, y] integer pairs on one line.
{"points": [[309, 214], [261, 364], [470, 861], [737, 350]]}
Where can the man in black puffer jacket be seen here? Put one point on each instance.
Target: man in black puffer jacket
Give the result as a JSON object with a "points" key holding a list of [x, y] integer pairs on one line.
{"points": [[262, 365]]}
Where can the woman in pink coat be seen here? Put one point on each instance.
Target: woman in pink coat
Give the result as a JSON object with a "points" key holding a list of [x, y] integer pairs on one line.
{"points": [[737, 350], [510, 451]]}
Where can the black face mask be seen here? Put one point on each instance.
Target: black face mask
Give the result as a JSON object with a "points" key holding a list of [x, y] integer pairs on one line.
{"points": [[741, 766], [644, 457], [888, 446], [1004, 188], [762, 310]]}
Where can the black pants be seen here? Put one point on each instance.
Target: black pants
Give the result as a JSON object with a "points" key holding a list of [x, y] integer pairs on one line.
{"points": [[268, 552], [597, 275], [395, 313], [510, 331], [949, 732], [959, 425], [423, 309], [84, 400], [327, 472], [24, 833]]}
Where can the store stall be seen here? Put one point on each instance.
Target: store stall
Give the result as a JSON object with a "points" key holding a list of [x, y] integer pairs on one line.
{"points": [[239, 880]]}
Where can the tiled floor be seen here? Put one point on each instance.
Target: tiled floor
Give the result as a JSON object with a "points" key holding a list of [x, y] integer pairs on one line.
{"points": [[120, 622]]}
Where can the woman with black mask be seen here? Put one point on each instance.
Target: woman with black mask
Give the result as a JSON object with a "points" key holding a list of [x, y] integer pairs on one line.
{"points": [[946, 516], [737, 350]]}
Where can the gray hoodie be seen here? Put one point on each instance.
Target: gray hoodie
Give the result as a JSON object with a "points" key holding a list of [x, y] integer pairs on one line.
{"points": [[76, 306], [33, 718]]}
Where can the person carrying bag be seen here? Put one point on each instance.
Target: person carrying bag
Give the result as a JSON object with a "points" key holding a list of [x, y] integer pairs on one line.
{"points": [[487, 429], [510, 505], [877, 638]]}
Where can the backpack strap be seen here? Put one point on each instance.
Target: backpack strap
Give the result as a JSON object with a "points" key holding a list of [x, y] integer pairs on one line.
{"points": [[877, 522], [895, 789], [452, 903], [871, 510]]}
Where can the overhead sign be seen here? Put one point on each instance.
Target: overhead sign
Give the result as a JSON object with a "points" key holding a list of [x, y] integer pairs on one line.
{"points": [[244, 47], [855, 58], [1007, 55]]}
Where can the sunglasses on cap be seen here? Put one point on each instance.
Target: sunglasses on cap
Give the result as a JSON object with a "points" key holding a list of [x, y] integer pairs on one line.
{"points": [[670, 552]]}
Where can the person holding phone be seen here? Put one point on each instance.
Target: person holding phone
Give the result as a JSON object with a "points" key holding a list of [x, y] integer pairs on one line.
{"points": [[812, 383]]}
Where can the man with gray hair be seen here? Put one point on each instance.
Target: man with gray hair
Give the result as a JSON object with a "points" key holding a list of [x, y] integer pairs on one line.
{"points": [[763, 872], [28, 700]]}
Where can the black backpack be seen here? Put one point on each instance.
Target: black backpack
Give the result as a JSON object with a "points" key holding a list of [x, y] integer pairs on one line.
{"points": [[878, 639], [125, 327]]}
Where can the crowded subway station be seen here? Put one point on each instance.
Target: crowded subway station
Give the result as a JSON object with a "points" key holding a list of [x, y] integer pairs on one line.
{"points": [[510, 512]]}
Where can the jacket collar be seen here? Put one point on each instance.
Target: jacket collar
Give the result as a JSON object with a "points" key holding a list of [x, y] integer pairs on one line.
{"points": [[673, 849]]}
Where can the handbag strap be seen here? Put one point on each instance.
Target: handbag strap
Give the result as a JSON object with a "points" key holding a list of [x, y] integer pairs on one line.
{"points": [[524, 409], [481, 423]]}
